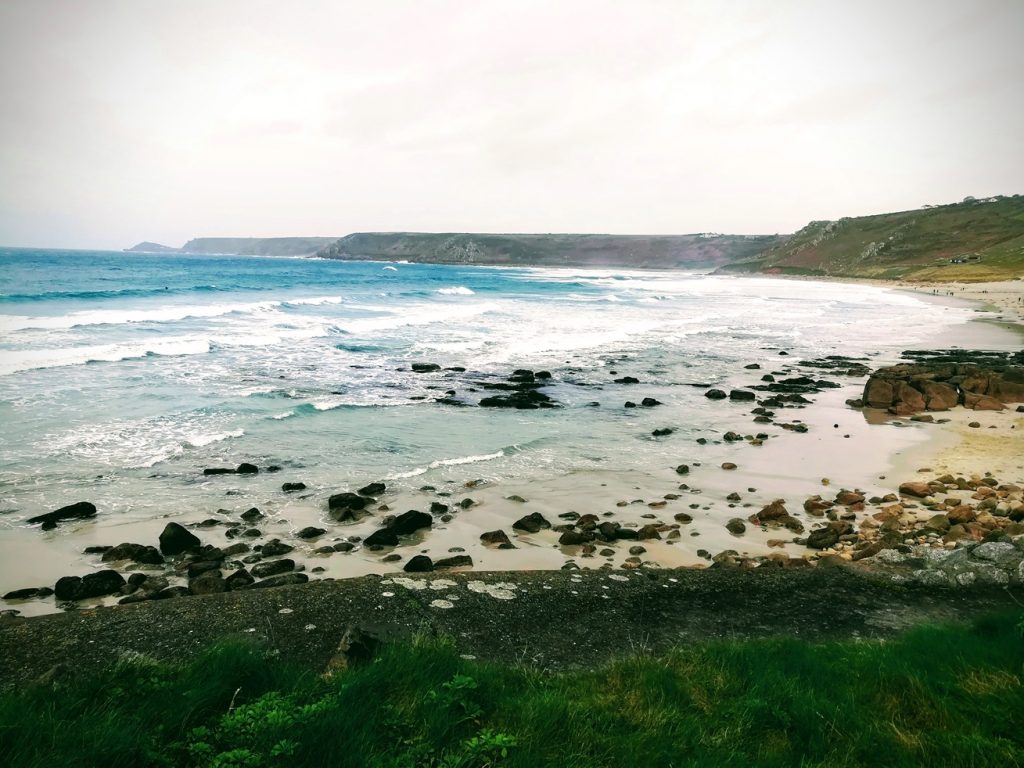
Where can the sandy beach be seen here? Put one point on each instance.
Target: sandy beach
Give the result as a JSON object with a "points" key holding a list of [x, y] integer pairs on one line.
{"points": [[685, 515]]}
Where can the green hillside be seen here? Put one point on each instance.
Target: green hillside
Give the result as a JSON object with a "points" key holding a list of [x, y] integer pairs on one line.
{"points": [[699, 251], [973, 240]]}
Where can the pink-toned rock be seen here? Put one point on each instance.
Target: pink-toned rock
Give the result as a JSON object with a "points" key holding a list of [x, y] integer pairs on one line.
{"points": [[846, 498], [982, 402], [939, 396], [920, 490], [817, 506], [961, 515], [878, 393]]}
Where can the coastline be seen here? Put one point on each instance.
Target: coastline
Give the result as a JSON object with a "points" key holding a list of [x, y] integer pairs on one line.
{"points": [[791, 466]]}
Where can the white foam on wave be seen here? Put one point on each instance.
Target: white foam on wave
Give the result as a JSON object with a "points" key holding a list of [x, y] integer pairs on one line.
{"points": [[283, 415], [141, 443], [457, 461], [16, 361], [315, 301], [165, 314], [458, 290], [414, 315]]}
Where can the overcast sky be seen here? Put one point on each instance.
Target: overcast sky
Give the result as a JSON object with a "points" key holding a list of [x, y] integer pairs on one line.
{"points": [[156, 120]]}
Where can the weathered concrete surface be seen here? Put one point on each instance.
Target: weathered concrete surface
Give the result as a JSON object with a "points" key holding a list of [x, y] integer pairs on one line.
{"points": [[552, 619]]}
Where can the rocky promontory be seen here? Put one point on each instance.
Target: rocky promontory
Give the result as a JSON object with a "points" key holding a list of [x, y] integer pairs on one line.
{"points": [[941, 381]]}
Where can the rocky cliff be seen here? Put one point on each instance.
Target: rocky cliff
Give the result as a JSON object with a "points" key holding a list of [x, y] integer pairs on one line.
{"points": [[699, 251]]}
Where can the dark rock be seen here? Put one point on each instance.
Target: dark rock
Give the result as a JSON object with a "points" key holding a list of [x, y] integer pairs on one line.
{"points": [[626, 533], [97, 549], [198, 568], [683, 469], [627, 380], [437, 508], [649, 402], [575, 538], [273, 568], [457, 561], [309, 532], [289, 487], [648, 532], [531, 523], [411, 521], [347, 506], [207, 584], [239, 578], [275, 548], [252, 515], [139, 553], [715, 394], [170, 592], [662, 432], [497, 538], [78, 511], [629, 404], [425, 367], [373, 489], [247, 469], [95, 584], [823, 538], [741, 395], [383, 537], [218, 471], [28, 593], [175, 539], [736, 526], [344, 546], [419, 564], [283, 580]]}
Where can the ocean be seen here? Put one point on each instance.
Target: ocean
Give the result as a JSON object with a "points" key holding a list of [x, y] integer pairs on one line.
{"points": [[123, 376]]}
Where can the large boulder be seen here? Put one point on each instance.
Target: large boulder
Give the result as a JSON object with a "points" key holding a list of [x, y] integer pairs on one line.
{"points": [[95, 584], [939, 396], [78, 511], [384, 537], [410, 522], [373, 489], [175, 539]]}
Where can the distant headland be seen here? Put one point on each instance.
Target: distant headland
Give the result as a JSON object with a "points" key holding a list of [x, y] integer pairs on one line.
{"points": [[973, 240]]}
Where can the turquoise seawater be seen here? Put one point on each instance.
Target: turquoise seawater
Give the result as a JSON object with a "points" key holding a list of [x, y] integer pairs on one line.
{"points": [[123, 375]]}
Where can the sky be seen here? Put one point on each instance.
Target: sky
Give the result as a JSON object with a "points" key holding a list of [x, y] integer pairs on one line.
{"points": [[123, 121]]}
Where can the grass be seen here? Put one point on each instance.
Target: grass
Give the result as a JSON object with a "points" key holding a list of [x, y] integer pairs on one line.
{"points": [[937, 695], [913, 245]]}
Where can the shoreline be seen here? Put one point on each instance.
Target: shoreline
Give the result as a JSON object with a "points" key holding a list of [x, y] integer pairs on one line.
{"points": [[790, 466]]}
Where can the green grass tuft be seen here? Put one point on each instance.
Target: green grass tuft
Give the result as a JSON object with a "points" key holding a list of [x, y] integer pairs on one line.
{"points": [[936, 695]]}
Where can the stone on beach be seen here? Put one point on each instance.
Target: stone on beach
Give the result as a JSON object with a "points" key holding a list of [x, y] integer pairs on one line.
{"points": [[348, 506], [175, 539], [96, 584], [531, 523], [78, 511]]}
